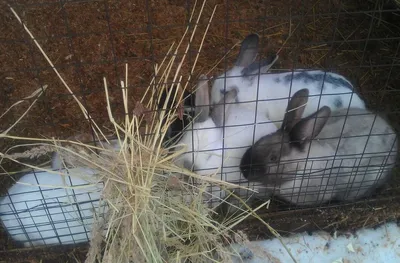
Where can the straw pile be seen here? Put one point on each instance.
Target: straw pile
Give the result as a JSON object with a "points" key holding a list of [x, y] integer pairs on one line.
{"points": [[153, 215]]}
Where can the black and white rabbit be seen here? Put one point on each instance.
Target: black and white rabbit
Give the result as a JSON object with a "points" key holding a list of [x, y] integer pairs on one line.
{"points": [[314, 160], [218, 138], [272, 91]]}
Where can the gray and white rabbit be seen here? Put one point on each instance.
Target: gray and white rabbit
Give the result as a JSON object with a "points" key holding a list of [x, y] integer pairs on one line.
{"points": [[269, 93], [218, 140], [52, 208], [314, 160]]}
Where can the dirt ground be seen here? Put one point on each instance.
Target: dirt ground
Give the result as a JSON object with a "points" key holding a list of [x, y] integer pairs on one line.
{"points": [[87, 40]]}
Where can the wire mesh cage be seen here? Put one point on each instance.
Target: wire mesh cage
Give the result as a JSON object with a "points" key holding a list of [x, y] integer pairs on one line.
{"points": [[47, 214], [262, 125]]}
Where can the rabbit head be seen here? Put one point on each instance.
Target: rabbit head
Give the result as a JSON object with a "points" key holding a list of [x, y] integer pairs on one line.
{"points": [[261, 162], [244, 70], [176, 127], [203, 139]]}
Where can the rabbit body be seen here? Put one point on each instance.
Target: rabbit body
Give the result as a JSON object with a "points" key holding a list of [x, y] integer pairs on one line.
{"points": [[346, 160], [269, 92], [352, 173], [205, 142], [216, 143], [43, 209]]}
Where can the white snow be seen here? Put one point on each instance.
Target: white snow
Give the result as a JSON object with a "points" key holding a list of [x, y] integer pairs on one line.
{"points": [[365, 246]]}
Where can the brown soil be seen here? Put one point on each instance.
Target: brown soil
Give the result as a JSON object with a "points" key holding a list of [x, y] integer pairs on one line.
{"points": [[87, 40]]}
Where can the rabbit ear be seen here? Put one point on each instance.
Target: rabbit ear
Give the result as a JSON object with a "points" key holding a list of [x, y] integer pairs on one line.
{"points": [[56, 161], [309, 127], [202, 100], [220, 112], [295, 109], [261, 67], [248, 51]]}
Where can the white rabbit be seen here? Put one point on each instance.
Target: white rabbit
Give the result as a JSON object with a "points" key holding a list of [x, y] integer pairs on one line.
{"points": [[231, 127], [270, 92], [323, 156], [38, 211]]}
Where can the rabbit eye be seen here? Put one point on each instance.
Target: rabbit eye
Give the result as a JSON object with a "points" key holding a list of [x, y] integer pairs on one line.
{"points": [[273, 158]]}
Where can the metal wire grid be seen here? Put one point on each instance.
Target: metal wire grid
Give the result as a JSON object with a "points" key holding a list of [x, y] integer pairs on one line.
{"points": [[58, 226], [42, 215]]}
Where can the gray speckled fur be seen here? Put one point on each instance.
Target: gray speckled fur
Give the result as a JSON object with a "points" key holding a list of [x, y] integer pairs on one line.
{"points": [[307, 78], [338, 102]]}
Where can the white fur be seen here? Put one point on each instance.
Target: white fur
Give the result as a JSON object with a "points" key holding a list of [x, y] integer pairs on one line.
{"points": [[49, 214], [270, 92], [362, 160], [207, 151]]}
